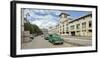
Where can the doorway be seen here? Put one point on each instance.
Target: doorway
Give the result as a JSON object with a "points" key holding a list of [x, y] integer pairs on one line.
{"points": [[73, 33]]}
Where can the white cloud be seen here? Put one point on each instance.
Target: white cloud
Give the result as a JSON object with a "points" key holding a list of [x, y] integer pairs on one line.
{"points": [[45, 22], [45, 18]]}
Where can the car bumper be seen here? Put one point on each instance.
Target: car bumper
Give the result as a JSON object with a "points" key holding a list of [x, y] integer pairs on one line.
{"points": [[58, 42]]}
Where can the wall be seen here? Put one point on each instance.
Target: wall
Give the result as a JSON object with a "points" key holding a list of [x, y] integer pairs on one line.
{"points": [[82, 31], [5, 29]]}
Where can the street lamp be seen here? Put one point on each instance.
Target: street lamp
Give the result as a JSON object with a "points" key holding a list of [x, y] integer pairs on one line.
{"points": [[27, 17]]}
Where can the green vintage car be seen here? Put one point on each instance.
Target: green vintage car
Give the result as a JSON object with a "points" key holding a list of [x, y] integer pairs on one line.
{"points": [[55, 39]]}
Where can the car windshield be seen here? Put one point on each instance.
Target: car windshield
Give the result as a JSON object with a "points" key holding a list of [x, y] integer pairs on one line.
{"points": [[55, 35]]}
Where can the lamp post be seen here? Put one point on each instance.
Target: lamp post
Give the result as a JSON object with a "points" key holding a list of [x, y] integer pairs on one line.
{"points": [[27, 18]]}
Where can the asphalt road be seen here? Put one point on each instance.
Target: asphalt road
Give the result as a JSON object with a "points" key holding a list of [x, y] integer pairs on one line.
{"points": [[40, 42]]}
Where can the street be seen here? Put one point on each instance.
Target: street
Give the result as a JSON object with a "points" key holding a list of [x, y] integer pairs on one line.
{"points": [[63, 31], [40, 42]]}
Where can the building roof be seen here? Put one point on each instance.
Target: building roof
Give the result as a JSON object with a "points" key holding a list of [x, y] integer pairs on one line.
{"points": [[64, 13], [80, 18]]}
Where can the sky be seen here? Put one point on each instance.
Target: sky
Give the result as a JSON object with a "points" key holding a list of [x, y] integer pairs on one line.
{"points": [[45, 18]]}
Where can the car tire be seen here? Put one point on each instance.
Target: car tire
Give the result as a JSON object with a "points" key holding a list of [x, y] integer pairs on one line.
{"points": [[62, 43]]}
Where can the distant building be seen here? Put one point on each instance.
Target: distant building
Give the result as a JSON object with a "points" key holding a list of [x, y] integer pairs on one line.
{"points": [[79, 27]]}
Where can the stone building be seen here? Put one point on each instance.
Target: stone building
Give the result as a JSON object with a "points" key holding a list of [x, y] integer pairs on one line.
{"points": [[63, 22], [78, 27], [81, 26]]}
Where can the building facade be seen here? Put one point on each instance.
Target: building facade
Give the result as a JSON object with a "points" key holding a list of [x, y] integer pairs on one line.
{"points": [[78, 27]]}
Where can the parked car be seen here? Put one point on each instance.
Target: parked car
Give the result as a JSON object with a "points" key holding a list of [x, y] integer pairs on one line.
{"points": [[46, 36], [45, 33], [55, 39], [31, 36]]}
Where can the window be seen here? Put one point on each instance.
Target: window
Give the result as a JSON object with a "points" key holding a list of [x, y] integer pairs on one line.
{"points": [[90, 23], [63, 29], [63, 32], [63, 25], [72, 27], [84, 25], [78, 26], [67, 32], [90, 30], [67, 28]]}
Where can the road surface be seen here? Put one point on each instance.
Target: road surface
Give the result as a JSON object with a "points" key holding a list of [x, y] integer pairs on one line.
{"points": [[40, 42]]}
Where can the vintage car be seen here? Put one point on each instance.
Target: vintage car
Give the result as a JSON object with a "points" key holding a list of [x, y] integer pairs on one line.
{"points": [[55, 39], [31, 36]]}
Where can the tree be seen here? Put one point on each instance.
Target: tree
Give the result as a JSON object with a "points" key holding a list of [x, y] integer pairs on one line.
{"points": [[34, 29]]}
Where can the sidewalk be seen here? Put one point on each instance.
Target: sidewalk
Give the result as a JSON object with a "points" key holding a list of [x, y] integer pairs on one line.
{"points": [[79, 41], [78, 37]]}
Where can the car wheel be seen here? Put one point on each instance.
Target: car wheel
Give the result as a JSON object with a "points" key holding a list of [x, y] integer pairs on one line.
{"points": [[49, 40], [53, 42], [62, 43]]}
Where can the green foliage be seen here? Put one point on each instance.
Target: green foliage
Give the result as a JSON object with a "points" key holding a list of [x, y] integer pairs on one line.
{"points": [[34, 29]]}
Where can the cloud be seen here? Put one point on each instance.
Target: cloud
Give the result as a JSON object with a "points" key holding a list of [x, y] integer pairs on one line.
{"points": [[46, 22], [48, 18], [42, 18]]}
